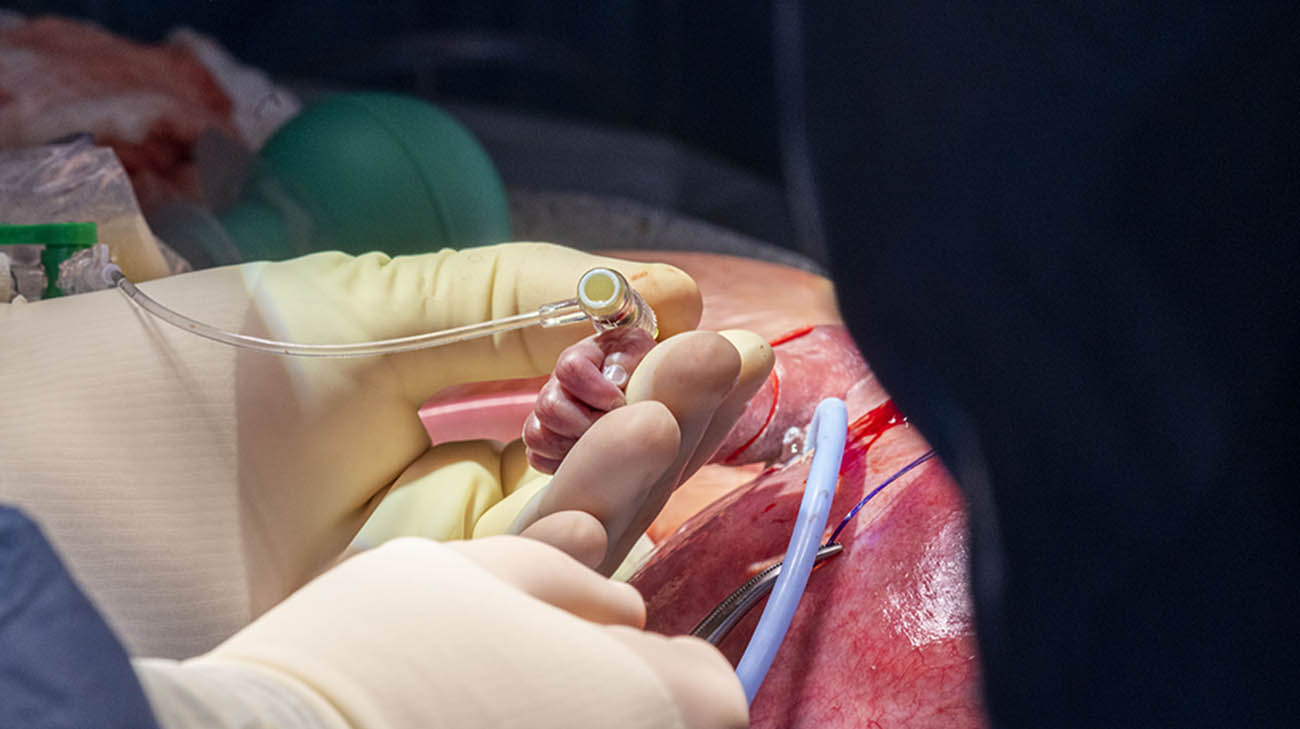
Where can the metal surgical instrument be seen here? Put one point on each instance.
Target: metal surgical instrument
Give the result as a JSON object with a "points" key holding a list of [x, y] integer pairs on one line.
{"points": [[717, 625]]}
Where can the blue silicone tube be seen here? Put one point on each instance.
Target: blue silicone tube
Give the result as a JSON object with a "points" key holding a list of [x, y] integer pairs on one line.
{"points": [[826, 434]]}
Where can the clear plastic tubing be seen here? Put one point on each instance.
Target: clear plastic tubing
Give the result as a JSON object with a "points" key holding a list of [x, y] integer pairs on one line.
{"points": [[604, 297], [826, 434]]}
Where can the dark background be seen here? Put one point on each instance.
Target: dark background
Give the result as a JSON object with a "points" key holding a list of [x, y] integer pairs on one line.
{"points": [[698, 74], [701, 72]]}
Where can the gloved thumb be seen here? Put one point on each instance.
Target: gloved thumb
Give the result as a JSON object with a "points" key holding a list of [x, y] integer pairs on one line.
{"points": [[332, 297]]}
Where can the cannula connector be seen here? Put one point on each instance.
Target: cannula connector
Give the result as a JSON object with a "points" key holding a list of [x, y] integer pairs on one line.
{"points": [[610, 302]]}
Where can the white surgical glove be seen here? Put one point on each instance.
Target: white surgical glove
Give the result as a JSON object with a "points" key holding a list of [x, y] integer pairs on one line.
{"points": [[505, 632]]}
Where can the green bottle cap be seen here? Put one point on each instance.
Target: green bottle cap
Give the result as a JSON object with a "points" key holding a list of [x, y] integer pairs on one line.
{"points": [[80, 235], [61, 241]]}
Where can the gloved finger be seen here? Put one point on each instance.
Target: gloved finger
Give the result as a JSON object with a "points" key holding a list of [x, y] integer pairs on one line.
{"points": [[590, 375], [554, 577], [756, 361], [543, 463], [702, 684], [595, 370], [561, 414], [610, 471], [544, 442], [691, 374], [440, 496], [576, 533]]}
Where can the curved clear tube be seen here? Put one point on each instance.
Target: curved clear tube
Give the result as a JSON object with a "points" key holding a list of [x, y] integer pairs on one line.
{"points": [[559, 313], [827, 432]]}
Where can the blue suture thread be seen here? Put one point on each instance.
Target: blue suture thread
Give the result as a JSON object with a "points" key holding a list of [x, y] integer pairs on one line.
{"points": [[845, 521], [828, 432]]}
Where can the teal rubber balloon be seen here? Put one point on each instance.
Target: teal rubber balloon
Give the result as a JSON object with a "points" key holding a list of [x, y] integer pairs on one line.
{"points": [[364, 172]]}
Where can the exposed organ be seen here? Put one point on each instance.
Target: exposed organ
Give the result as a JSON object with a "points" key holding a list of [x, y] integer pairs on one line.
{"points": [[884, 634]]}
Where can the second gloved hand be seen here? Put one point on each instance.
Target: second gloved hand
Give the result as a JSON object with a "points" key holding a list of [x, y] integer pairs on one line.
{"points": [[502, 632]]}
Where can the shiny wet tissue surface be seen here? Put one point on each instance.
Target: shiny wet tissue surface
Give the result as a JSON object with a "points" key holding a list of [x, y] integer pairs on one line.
{"points": [[884, 636]]}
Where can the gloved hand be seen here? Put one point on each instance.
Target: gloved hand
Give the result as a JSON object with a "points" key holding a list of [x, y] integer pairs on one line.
{"points": [[191, 485], [501, 632], [684, 397]]}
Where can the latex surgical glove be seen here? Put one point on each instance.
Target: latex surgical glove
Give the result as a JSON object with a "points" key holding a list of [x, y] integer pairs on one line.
{"points": [[684, 397], [588, 382], [191, 485], [504, 633], [688, 395]]}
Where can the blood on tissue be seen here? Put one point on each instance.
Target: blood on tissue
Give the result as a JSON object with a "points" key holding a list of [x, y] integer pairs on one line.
{"points": [[866, 430], [862, 434], [790, 335]]}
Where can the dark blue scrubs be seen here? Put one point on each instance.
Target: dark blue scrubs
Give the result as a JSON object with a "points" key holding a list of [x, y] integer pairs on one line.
{"points": [[60, 665], [1066, 237]]}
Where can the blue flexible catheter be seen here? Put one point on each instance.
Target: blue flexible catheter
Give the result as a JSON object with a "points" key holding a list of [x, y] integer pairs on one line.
{"points": [[826, 434]]}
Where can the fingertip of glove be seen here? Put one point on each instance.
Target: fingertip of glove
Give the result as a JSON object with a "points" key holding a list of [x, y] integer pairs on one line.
{"points": [[672, 293], [636, 603]]}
